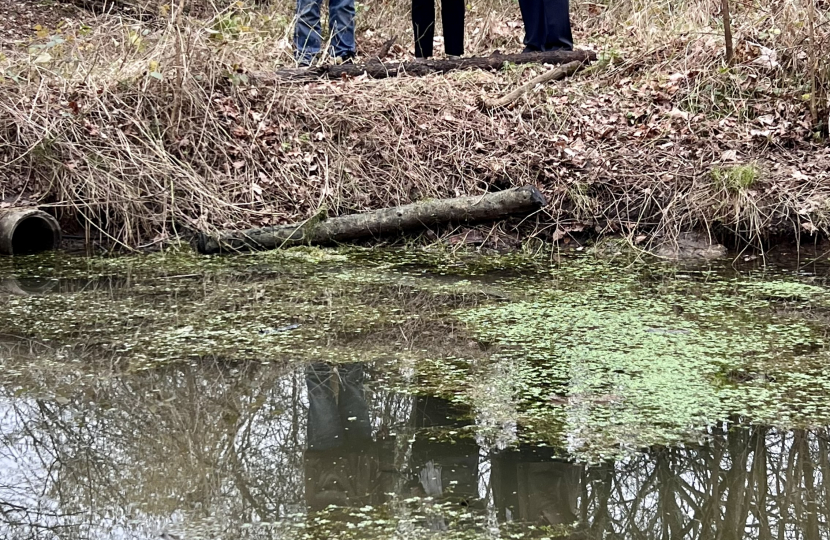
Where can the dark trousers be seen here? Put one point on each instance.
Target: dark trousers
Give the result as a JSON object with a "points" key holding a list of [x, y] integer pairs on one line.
{"points": [[335, 420], [547, 25], [423, 23]]}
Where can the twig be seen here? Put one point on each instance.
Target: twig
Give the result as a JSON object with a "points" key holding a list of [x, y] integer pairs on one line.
{"points": [[386, 47], [554, 74], [727, 33], [814, 59]]}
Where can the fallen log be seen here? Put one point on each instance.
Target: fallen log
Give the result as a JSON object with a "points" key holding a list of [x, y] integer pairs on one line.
{"points": [[401, 219], [134, 10], [554, 74], [379, 69]]}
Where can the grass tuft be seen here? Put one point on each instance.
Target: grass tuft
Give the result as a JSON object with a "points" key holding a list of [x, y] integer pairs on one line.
{"points": [[737, 178]]}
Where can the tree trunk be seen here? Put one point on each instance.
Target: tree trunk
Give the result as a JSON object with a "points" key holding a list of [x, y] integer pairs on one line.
{"points": [[401, 219], [378, 69]]}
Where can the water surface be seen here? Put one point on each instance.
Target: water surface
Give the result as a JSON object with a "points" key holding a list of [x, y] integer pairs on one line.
{"points": [[312, 393]]}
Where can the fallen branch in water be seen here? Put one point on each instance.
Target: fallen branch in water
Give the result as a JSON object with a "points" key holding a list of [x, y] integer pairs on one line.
{"points": [[378, 69], [401, 219], [554, 74]]}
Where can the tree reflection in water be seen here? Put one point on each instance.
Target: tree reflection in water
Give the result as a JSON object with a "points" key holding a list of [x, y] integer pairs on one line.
{"points": [[213, 445]]}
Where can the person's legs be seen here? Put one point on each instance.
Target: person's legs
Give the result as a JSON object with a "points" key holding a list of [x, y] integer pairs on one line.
{"points": [[452, 18], [557, 26], [423, 24], [354, 411], [533, 15], [341, 25], [307, 33], [324, 430]]}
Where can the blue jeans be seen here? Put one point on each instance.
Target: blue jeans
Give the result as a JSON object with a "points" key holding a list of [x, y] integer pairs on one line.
{"points": [[308, 35]]}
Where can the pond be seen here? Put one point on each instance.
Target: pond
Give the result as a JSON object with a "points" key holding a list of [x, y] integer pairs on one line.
{"points": [[358, 393]]}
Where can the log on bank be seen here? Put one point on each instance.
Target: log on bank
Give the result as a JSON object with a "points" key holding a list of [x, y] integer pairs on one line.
{"points": [[379, 69], [398, 220]]}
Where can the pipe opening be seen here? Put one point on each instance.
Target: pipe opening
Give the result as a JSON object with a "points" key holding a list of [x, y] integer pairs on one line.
{"points": [[34, 234]]}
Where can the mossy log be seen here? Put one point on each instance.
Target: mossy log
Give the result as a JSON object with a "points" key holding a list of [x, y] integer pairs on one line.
{"points": [[397, 220], [378, 69]]}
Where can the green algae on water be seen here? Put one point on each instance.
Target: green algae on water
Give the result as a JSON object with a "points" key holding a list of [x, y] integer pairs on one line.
{"points": [[608, 363], [591, 356]]}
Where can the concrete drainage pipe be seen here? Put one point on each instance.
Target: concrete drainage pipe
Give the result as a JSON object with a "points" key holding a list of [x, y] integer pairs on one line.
{"points": [[28, 230]]}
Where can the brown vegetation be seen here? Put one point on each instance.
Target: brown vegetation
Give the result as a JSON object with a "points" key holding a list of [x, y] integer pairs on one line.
{"points": [[140, 127]]}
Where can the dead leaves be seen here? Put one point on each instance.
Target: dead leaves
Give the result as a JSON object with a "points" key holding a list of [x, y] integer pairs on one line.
{"points": [[623, 147]]}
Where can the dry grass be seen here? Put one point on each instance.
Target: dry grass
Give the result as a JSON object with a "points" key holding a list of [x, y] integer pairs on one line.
{"points": [[140, 129]]}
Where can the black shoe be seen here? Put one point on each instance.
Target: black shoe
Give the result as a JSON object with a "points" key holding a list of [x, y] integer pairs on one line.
{"points": [[305, 61], [551, 48], [348, 58], [530, 50]]}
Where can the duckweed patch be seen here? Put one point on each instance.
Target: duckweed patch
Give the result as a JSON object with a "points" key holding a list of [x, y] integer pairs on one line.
{"points": [[300, 305], [609, 363], [406, 519]]}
